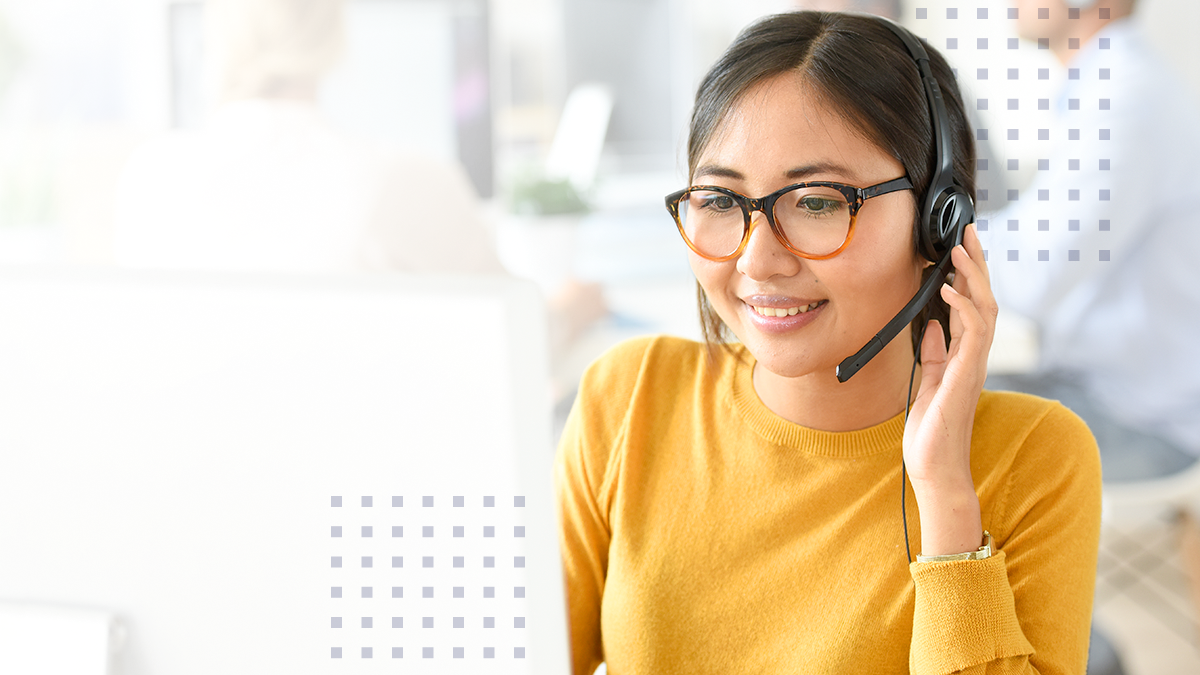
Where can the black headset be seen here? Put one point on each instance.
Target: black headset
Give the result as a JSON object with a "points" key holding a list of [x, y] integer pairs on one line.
{"points": [[942, 219]]}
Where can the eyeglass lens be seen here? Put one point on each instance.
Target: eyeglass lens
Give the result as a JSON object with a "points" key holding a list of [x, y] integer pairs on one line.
{"points": [[814, 220]]}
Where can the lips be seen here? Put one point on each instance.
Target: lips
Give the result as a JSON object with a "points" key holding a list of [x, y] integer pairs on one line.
{"points": [[784, 311], [780, 314]]}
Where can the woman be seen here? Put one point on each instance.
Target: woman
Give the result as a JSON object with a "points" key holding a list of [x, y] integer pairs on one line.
{"points": [[734, 507]]}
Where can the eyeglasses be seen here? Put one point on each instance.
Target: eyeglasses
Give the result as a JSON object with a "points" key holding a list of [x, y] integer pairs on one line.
{"points": [[812, 220]]}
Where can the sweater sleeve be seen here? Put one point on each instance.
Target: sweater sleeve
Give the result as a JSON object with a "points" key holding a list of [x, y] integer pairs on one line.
{"points": [[584, 482], [1026, 609]]}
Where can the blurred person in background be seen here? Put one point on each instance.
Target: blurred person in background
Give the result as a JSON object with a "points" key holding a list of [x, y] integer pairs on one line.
{"points": [[270, 185], [1099, 251]]}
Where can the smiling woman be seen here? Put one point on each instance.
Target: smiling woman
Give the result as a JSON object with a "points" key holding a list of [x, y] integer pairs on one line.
{"points": [[732, 506]]}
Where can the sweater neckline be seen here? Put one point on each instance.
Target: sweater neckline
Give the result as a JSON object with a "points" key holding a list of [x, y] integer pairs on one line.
{"points": [[884, 437]]}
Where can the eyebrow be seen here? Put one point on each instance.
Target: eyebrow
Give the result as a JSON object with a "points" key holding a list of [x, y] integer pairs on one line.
{"points": [[798, 173]]}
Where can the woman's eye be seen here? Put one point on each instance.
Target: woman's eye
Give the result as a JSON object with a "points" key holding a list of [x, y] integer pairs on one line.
{"points": [[718, 203], [819, 205]]}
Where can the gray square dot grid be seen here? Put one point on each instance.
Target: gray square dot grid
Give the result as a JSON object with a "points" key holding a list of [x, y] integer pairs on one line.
{"points": [[367, 622], [459, 531], [1014, 73], [981, 13], [427, 561], [518, 622], [397, 502], [489, 531], [1072, 43], [489, 622], [427, 622], [981, 195], [518, 652], [982, 225], [336, 561], [459, 561], [1043, 104], [1073, 134], [1043, 195], [367, 530], [1043, 165], [981, 74], [1014, 43], [1044, 43], [1012, 13], [981, 104], [1014, 195], [981, 134], [397, 652], [1073, 104], [1043, 225], [489, 501], [985, 255], [337, 530], [1105, 164], [1104, 73], [1073, 255], [1105, 104], [427, 652], [459, 592], [1105, 195], [981, 164], [1072, 73], [1105, 255], [335, 591], [1073, 13], [490, 652], [1013, 255], [1043, 73], [1105, 225], [335, 653], [397, 591], [1043, 12], [366, 502], [518, 591], [397, 622], [366, 561], [519, 561], [1105, 134], [518, 530], [426, 530], [367, 653], [335, 501], [1043, 134], [427, 591], [1013, 134], [952, 13], [459, 652], [1014, 164], [1014, 104], [1073, 195], [1043, 255], [1105, 13], [951, 43], [427, 501], [1072, 165], [335, 622], [460, 622], [489, 591], [397, 530], [519, 502], [367, 592], [489, 561]]}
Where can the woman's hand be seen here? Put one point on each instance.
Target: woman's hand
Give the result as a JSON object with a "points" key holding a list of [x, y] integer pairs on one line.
{"points": [[937, 438]]}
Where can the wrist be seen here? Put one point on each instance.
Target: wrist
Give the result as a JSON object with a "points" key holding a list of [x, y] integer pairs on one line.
{"points": [[951, 521]]}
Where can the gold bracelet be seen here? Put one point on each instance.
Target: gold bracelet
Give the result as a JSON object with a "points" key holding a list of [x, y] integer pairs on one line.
{"points": [[983, 553]]}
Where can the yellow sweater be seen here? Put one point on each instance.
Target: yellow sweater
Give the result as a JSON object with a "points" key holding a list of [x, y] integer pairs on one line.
{"points": [[701, 533]]}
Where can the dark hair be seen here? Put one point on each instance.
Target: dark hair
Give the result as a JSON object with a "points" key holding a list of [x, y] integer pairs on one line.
{"points": [[861, 69]]}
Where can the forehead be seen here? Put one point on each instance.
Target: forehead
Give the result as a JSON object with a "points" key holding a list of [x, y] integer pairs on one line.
{"points": [[783, 129]]}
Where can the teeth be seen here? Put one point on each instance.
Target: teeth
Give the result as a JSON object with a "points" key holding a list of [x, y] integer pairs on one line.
{"points": [[780, 311]]}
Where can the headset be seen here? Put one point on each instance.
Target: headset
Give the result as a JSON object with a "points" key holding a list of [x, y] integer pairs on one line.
{"points": [[942, 219]]}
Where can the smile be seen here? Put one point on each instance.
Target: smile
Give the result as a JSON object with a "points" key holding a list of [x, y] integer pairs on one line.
{"points": [[781, 311]]}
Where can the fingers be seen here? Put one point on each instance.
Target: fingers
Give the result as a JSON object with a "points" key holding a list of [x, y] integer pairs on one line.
{"points": [[933, 356], [974, 327]]}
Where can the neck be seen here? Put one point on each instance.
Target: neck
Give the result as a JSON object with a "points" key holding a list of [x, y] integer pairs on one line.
{"points": [[817, 400]]}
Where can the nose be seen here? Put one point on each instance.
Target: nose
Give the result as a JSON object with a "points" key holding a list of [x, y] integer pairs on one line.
{"points": [[764, 255]]}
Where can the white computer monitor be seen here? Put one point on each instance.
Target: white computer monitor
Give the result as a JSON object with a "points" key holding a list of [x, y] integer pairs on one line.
{"points": [[174, 447]]}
